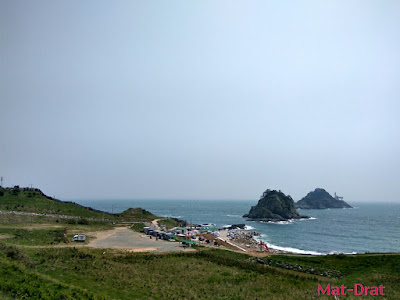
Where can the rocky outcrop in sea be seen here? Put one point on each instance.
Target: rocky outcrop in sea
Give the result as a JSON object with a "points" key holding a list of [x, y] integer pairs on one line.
{"points": [[321, 199], [273, 206]]}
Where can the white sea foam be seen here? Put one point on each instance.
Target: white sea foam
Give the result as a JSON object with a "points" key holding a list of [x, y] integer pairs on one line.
{"points": [[233, 216], [171, 216], [285, 249], [261, 237], [273, 247], [246, 227], [287, 222], [293, 250], [310, 218], [281, 222], [348, 253]]}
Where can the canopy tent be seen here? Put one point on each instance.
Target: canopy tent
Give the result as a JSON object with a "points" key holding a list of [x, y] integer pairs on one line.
{"points": [[186, 243], [189, 242]]}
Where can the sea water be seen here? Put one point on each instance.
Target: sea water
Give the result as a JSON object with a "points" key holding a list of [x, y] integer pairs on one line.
{"points": [[368, 227]]}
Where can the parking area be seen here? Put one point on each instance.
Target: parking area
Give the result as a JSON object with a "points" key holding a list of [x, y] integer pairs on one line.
{"points": [[127, 239]]}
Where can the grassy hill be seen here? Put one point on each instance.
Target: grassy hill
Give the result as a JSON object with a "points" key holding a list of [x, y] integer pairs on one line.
{"points": [[35, 201], [137, 214]]}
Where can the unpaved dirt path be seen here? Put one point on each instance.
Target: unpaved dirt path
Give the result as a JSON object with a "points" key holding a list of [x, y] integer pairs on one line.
{"points": [[154, 224]]}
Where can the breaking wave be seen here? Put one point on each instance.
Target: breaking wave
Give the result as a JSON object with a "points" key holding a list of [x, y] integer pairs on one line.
{"points": [[286, 249]]}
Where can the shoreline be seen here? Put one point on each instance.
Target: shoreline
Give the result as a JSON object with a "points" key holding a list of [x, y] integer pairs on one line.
{"points": [[245, 242], [248, 240]]}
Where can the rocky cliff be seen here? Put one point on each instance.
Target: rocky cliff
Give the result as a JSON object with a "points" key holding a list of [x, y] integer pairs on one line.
{"points": [[273, 206], [320, 199]]}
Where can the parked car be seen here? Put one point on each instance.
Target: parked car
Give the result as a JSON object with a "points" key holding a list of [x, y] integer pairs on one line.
{"points": [[79, 238]]}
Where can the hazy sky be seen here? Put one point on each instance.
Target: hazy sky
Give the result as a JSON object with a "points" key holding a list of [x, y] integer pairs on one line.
{"points": [[201, 99]]}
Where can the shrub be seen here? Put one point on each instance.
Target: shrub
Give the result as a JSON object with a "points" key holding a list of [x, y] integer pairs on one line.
{"points": [[15, 254], [15, 190], [83, 222]]}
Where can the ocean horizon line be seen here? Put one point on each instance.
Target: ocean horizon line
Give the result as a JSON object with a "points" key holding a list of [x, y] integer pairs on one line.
{"points": [[353, 202]]}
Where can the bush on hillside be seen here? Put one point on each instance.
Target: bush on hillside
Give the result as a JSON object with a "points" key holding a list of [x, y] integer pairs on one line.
{"points": [[83, 222], [15, 190]]}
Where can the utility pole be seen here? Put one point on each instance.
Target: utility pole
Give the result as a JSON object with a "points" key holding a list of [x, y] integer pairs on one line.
{"points": [[1, 180]]}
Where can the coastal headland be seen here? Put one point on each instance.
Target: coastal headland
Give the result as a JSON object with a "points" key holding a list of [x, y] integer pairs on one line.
{"points": [[38, 259]]}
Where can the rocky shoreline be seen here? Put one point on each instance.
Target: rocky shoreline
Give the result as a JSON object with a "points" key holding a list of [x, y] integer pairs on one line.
{"points": [[246, 239], [275, 220]]}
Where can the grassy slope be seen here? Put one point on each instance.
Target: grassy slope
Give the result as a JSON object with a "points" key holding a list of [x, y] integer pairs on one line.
{"points": [[34, 201], [3, 296], [187, 276], [32, 230], [201, 275], [138, 227], [169, 223], [137, 214], [368, 269]]}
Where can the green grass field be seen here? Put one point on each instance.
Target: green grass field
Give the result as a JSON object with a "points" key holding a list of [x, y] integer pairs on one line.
{"points": [[72, 273]]}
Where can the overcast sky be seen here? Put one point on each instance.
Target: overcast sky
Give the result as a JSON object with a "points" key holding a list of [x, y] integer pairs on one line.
{"points": [[201, 99]]}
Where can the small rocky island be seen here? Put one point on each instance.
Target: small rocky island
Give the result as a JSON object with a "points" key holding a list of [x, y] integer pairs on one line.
{"points": [[321, 199], [273, 206]]}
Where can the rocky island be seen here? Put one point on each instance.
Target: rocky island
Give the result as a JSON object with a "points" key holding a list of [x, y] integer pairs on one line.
{"points": [[321, 199], [273, 206]]}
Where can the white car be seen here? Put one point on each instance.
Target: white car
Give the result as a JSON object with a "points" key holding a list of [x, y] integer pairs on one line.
{"points": [[79, 238]]}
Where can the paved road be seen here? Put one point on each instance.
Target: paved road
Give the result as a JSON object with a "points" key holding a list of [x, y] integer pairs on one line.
{"points": [[124, 238]]}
